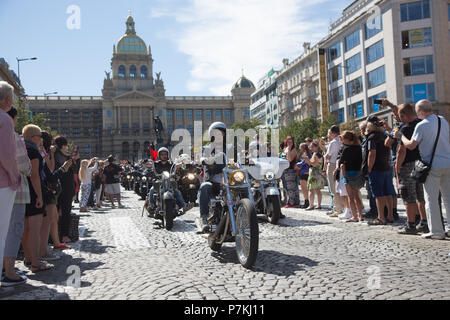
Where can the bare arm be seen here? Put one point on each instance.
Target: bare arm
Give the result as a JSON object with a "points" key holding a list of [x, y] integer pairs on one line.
{"points": [[371, 160], [36, 182], [401, 155]]}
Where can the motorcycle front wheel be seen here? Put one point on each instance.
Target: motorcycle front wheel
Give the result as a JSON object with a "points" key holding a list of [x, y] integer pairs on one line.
{"points": [[247, 237], [169, 214], [273, 209]]}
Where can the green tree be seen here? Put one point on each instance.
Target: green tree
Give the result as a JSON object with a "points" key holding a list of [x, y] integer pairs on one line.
{"points": [[326, 124], [25, 117], [300, 130]]}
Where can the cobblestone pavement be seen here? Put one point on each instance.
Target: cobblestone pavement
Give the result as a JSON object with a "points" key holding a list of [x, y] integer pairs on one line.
{"points": [[122, 255]]}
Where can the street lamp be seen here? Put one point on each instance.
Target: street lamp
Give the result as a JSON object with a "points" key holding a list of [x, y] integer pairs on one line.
{"points": [[18, 75]]}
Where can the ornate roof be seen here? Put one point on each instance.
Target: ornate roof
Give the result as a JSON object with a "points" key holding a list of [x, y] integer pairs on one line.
{"points": [[243, 82], [130, 43]]}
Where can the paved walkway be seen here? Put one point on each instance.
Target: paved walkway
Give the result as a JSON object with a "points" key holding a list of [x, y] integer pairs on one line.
{"points": [[122, 255]]}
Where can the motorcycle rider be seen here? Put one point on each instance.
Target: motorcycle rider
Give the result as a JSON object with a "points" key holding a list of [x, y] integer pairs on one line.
{"points": [[214, 172], [161, 165]]}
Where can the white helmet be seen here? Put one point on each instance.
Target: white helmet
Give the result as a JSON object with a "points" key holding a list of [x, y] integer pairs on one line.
{"points": [[217, 126], [163, 150]]}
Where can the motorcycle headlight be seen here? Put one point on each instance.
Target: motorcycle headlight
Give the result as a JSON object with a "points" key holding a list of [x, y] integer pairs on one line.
{"points": [[166, 175], [191, 176], [238, 176], [138, 178], [144, 179], [128, 177], [270, 175]]}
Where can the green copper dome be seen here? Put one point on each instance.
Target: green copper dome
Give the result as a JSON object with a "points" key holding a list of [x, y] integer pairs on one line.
{"points": [[243, 82], [130, 43]]}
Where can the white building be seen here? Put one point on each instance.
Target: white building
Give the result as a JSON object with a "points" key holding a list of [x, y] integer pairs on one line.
{"points": [[264, 101], [299, 87], [397, 49]]}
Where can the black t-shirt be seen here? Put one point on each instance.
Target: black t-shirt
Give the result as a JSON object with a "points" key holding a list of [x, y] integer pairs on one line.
{"points": [[351, 157], [408, 131], [34, 154], [161, 167], [375, 141], [111, 173]]}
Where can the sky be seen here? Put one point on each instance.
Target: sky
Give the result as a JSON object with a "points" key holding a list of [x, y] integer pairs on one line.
{"points": [[201, 47]]}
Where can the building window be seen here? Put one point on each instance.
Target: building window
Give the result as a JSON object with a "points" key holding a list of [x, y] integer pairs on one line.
{"points": [[335, 73], [219, 114], [336, 95], [353, 63], [356, 110], [417, 92], [170, 130], [97, 115], [376, 107], [146, 128], [415, 10], [191, 130], [198, 114], [169, 114], [376, 77], [247, 113], [136, 130], [418, 65], [160, 113], [86, 132], [133, 72], [208, 114], [373, 27], [355, 87], [179, 114], [121, 72], [97, 131], [375, 52], [352, 41], [144, 72], [417, 38], [189, 114], [76, 132], [334, 52], [76, 115], [341, 116], [87, 148], [228, 114], [125, 129], [65, 131], [86, 116]]}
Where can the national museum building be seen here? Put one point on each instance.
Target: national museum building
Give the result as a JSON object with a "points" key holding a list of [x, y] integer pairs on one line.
{"points": [[122, 121]]}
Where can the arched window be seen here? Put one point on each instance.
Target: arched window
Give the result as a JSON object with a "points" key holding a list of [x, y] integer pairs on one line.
{"points": [[121, 72], [136, 147], [133, 72], [143, 72]]}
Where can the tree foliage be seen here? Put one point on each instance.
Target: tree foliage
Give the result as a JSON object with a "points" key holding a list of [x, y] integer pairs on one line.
{"points": [[25, 117]]}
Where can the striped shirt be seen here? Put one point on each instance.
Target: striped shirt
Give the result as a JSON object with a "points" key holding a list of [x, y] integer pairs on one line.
{"points": [[24, 165]]}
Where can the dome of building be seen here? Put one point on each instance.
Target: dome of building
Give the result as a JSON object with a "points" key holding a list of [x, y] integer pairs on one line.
{"points": [[130, 43], [243, 82]]}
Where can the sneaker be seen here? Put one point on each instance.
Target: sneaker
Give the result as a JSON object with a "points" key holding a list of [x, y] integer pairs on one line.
{"points": [[422, 227], [6, 282], [202, 224], [407, 230], [433, 236], [346, 215]]}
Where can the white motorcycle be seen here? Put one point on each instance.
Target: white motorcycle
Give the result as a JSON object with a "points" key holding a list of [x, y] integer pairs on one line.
{"points": [[265, 173]]}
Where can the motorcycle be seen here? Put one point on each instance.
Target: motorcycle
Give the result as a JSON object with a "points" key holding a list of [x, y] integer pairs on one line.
{"points": [[232, 216], [145, 183], [166, 208], [265, 173], [189, 183]]}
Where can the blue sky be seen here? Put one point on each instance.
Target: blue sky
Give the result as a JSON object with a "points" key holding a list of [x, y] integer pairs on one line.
{"points": [[200, 46]]}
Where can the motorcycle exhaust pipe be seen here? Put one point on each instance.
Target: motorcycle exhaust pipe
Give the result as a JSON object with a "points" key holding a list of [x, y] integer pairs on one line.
{"points": [[220, 228]]}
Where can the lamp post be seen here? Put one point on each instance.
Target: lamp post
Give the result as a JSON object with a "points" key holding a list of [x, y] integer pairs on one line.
{"points": [[18, 75]]}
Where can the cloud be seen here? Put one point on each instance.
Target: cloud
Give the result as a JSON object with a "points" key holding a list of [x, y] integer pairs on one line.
{"points": [[222, 37]]}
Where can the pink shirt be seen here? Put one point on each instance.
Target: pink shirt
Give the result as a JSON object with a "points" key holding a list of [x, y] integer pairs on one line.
{"points": [[9, 172]]}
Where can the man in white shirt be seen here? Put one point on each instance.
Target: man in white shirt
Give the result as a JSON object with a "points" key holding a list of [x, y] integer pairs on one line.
{"points": [[330, 165], [438, 180]]}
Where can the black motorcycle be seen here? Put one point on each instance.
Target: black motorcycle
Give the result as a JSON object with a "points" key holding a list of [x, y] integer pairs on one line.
{"points": [[189, 182], [145, 183]]}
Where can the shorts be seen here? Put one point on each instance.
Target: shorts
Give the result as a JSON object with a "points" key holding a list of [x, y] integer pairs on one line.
{"points": [[113, 188], [381, 183], [410, 190], [355, 180], [304, 177]]}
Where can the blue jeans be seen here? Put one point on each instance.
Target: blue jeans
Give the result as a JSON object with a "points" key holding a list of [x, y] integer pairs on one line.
{"points": [[177, 193], [205, 194]]}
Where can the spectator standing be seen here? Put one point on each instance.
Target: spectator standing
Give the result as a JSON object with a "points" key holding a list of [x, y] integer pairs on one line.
{"points": [[376, 164], [315, 180], [330, 166], [425, 135], [350, 163], [85, 176], [290, 174], [373, 213], [304, 172], [112, 188], [16, 224]]}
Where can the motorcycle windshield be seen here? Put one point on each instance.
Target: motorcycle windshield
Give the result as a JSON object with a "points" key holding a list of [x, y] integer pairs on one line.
{"points": [[260, 167]]}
